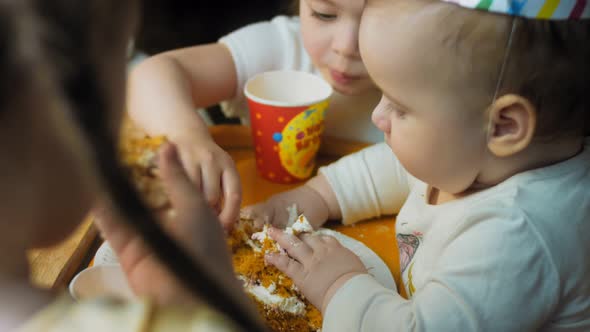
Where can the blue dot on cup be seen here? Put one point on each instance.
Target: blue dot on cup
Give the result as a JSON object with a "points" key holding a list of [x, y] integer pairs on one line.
{"points": [[277, 137]]}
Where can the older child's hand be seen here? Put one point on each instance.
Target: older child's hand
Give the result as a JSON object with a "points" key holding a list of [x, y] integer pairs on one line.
{"points": [[194, 227], [213, 171], [318, 264], [274, 211]]}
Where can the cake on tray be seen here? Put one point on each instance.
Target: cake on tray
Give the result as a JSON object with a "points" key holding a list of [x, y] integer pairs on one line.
{"points": [[278, 300]]}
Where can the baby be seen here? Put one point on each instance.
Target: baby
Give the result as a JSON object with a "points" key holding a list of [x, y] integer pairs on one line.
{"points": [[488, 117]]}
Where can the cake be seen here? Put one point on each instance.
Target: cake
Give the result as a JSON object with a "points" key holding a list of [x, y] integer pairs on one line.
{"points": [[278, 300], [139, 157]]}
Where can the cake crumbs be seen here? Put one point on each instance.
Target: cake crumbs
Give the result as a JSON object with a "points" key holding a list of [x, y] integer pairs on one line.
{"points": [[250, 265]]}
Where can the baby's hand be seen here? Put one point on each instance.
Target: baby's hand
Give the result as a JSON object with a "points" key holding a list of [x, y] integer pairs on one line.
{"points": [[274, 211], [212, 170], [318, 264]]}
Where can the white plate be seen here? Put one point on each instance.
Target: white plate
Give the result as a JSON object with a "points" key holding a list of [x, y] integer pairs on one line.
{"points": [[101, 281], [109, 280], [105, 255], [374, 264]]}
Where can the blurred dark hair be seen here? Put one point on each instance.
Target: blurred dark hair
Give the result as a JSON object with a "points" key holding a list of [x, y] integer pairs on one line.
{"points": [[294, 7], [72, 37]]}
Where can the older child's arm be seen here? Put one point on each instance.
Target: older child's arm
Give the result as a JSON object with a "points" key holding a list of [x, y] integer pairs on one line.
{"points": [[194, 227], [164, 92]]}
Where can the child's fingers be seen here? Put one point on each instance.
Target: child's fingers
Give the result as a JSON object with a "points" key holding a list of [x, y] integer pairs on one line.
{"points": [[122, 238], [328, 239], [258, 213], [211, 180], [292, 268], [232, 197], [193, 170], [315, 242], [108, 222], [177, 183], [292, 244], [101, 211]]}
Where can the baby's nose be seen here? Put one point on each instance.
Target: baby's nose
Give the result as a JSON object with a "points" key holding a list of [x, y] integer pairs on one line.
{"points": [[381, 119]]}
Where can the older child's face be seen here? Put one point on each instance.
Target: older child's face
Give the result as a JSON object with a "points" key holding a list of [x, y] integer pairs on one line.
{"points": [[424, 111], [330, 35], [46, 180], [53, 171]]}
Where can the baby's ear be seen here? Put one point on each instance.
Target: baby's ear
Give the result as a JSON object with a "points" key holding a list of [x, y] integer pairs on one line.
{"points": [[512, 122]]}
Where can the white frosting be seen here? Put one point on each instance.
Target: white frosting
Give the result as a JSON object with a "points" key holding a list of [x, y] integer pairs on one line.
{"points": [[260, 237], [302, 225], [292, 211], [266, 295], [288, 304], [147, 158], [294, 305]]}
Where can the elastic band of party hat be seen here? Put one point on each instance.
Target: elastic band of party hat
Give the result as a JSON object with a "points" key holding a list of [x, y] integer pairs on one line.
{"points": [[536, 9]]}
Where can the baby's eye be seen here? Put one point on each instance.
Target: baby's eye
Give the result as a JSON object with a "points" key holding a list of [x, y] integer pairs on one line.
{"points": [[395, 110], [323, 16], [400, 114]]}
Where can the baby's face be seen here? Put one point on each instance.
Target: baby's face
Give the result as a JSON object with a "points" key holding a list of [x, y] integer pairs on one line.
{"points": [[330, 34], [426, 111]]}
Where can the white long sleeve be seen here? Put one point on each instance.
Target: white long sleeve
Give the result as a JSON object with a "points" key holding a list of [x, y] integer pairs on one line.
{"points": [[496, 276], [369, 183], [513, 257]]}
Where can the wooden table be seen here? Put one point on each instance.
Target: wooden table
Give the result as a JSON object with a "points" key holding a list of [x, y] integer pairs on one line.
{"points": [[54, 267]]}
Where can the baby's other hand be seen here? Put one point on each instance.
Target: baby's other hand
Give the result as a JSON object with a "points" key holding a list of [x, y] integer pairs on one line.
{"points": [[318, 264], [274, 211], [214, 172]]}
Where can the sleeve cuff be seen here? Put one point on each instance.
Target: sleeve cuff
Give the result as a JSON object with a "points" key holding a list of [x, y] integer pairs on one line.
{"points": [[367, 184], [352, 306]]}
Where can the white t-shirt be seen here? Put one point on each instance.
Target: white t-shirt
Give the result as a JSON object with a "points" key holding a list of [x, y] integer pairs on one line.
{"points": [[514, 257], [277, 45]]}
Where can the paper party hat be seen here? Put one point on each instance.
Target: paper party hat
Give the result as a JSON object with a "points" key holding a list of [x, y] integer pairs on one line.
{"points": [[537, 9]]}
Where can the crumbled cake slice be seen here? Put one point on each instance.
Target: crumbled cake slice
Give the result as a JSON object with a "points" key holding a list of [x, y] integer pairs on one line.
{"points": [[278, 299], [138, 155]]}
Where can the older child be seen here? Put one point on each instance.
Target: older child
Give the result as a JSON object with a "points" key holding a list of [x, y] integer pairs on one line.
{"points": [[60, 105], [487, 115], [165, 90]]}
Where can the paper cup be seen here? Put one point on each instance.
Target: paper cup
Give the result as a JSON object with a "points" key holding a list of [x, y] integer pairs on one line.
{"points": [[287, 118]]}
